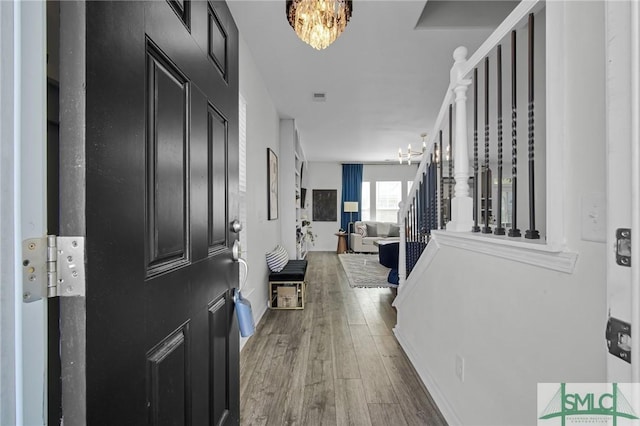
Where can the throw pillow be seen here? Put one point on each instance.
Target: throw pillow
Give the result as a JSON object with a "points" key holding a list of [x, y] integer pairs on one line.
{"points": [[394, 231], [361, 229], [372, 230], [393, 278], [277, 259]]}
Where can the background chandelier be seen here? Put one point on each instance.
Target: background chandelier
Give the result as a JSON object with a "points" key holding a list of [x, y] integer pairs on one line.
{"points": [[319, 22], [446, 156], [412, 154]]}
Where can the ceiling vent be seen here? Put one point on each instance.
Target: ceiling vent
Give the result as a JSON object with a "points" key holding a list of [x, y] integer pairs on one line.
{"points": [[319, 97]]}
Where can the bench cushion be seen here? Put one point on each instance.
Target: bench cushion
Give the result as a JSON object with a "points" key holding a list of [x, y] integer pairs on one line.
{"points": [[294, 270]]}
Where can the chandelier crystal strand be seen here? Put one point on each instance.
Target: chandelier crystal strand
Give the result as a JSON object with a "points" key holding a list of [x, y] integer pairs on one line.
{"points": [[319, 22]]}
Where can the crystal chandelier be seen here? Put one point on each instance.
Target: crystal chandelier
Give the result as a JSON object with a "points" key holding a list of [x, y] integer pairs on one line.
{"points": [[319, 22], [412, 154]]}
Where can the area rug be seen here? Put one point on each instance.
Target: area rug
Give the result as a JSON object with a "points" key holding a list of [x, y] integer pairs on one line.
{"points": [[364, 270]]}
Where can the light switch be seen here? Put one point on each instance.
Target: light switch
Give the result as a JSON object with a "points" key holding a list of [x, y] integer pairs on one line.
{"points": [[593, 217]]}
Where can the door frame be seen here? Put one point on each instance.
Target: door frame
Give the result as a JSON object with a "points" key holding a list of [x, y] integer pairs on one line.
{"points": [[635, 182], [623, 171], [23, 213]]}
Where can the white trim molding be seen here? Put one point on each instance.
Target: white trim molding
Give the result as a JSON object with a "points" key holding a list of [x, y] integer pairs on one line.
{"points": [[635, 178], [530, 252], [10, 302], [23, 356], [535, 253]]}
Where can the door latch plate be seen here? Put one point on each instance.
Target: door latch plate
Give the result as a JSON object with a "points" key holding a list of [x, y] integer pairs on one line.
{"points": [[618, 337], [623, 246]]}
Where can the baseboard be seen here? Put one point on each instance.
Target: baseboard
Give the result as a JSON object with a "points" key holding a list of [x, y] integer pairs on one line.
{"points": [[419, 365], [260, 314], [257, 317]]}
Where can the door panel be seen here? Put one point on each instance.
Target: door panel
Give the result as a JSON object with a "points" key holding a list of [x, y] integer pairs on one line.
{"points": [[161, 188], [182, 8], [167, 150], [169, 380], [217, 143], [219, 360], [217, 42]]}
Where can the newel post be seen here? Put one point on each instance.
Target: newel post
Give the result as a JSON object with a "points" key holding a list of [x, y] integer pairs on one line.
{"points": [[402, 248], [462, 203]]}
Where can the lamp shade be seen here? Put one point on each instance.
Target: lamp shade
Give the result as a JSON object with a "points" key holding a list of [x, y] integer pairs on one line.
{"points": [[350, 206]]}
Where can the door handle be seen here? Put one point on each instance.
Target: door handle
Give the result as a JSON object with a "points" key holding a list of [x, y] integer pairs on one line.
{"points": [[236, 226], [243, 272], [236, 250]]}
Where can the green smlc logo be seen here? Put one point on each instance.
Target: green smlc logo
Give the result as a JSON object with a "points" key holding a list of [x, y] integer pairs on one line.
{"points": [[564, 405]]}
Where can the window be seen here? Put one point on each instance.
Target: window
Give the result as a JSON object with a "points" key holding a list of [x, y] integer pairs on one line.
{"points": [[388, 196], [365, 210]]}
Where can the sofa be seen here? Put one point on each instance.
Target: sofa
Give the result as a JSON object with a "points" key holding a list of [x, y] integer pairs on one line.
{"points": [[365, 233]]}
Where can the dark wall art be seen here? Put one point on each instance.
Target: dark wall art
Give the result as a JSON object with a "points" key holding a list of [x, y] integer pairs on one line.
{"points": [[325, 205]]}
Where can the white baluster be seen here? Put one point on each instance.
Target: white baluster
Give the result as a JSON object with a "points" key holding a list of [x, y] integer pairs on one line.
{"points": [[462, 203]]}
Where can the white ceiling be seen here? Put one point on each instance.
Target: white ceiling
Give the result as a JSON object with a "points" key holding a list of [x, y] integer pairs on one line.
{"points": [[384, 79]]}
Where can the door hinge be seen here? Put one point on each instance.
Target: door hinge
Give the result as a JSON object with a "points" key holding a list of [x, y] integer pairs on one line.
{"points": [[52, 266]]}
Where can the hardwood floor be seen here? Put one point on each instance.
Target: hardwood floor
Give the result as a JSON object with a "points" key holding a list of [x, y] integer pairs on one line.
{"points": [[334, 363]]}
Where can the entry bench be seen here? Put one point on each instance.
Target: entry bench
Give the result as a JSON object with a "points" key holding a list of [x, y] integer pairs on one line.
{"points": [[287, 287]]}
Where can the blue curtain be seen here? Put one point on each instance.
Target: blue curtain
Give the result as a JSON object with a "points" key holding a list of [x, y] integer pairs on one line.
{"points": [[351, 191]]}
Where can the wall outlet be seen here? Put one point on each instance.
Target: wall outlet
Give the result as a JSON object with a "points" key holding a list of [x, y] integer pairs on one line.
{"points": [[460, 367]]}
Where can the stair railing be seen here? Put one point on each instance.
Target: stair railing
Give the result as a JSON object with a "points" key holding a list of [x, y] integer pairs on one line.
{"points": [[430, 205]]}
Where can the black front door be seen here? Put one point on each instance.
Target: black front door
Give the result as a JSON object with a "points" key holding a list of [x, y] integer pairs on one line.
{"points": [[149, 142]]}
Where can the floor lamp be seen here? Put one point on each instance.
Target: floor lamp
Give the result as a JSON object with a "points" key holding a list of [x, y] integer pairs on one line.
{"points": [[350, 207]]}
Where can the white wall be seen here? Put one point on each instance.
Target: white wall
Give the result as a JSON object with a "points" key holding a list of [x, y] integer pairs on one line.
{"points": [[262, 132], [517, 325], [324, 175]]}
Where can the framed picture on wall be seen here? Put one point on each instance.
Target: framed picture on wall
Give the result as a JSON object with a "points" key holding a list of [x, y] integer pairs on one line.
{"points": [[272, 182], [325, 205]]}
